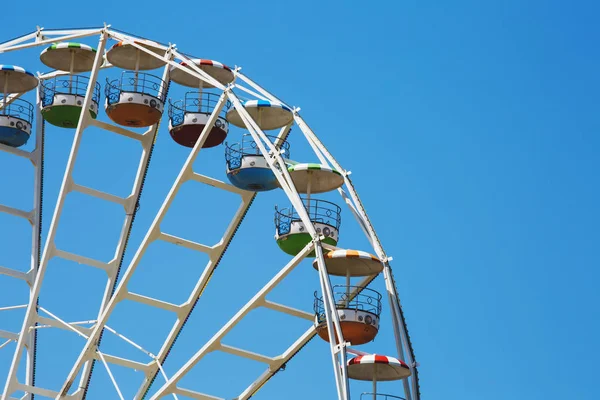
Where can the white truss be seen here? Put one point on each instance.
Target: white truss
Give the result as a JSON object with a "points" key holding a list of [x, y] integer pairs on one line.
{"points": [[410, 386], [34, 217], [68, 185], [215, 252], [91, 352], [404, 347]]}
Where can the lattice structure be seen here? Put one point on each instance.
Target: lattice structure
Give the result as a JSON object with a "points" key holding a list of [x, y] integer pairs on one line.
{"points": [[34, 217], [344, 315]]}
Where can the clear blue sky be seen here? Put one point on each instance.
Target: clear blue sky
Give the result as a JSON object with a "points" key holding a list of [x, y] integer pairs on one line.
{"points": [[472, 133]]}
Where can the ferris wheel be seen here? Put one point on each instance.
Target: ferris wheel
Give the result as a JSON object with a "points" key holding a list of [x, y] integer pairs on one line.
{"points": [[205, 101]]}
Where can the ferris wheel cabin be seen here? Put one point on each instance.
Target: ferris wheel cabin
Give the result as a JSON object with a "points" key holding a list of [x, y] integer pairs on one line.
{"points": [[290, 231], [63, 96], [359, 315], [135, 99], [16, 115], [291, 234], [247, 168], [188, 117]]}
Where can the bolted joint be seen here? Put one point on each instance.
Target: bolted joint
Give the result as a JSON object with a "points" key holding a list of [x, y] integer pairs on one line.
{"points": [[229, 88], [339, 347], [39, 36], [318, 239]]}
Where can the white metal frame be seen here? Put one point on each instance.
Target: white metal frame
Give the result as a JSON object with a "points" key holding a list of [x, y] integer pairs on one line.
{"points": [[331, 316], [404, 347], [90, 352], [34, 217], [272, 156], [68, 185], [214, 252]]}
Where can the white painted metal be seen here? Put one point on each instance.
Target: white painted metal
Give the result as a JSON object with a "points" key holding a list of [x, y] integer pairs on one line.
{"points": [[195, 395], [20, 39], [110, 374], [338, 353], [68, 185], [190, 68], [214, 344], [154, 233], [215, 253], [274, 158], [34, 217], [272, 155], [247, 200], [263, 92], [275, 363], [291, 351], [10, 98], [36, 233], [411, 389], [65, 38], [30, 318], [130, 205], [17, 152]]}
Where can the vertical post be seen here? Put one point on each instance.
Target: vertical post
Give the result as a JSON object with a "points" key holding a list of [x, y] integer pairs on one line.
{"points": [[38, 163], [374, 381], [71, 68], [286, 183], [31, 313], [202, 282], [347, 287], [200, 86], [137, 70], [335, 318], [147, 147], [399, 326], [334, 330], [308, 187], [154, 229], [399, 329], [4, 94]]}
